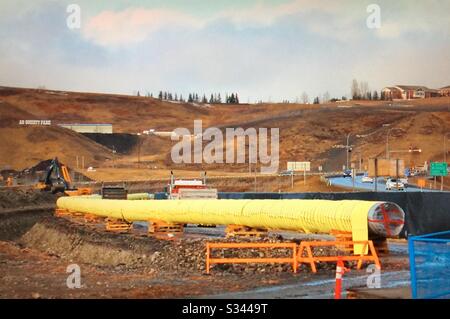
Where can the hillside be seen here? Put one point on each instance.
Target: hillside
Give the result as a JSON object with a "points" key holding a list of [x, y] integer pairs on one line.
{"points": [[307, 132], [23, 147]]}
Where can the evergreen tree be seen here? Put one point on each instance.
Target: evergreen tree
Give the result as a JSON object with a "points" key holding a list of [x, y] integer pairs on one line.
{"points": [[236, 98], [165, 96], [316, 100], [219, 99], [160, 95], [204, 99], [211, 99], [181, 98]]}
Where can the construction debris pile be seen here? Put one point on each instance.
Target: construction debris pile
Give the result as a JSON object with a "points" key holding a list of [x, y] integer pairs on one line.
{"points": [[125, 252]]}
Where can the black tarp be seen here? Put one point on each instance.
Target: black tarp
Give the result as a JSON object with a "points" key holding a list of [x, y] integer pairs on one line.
{"points": [[426, 212]]}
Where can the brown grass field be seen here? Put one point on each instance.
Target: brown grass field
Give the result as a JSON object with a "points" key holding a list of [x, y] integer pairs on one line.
{"points": [[307, 132]]}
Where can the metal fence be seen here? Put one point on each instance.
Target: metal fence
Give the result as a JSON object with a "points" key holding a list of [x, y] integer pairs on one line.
{"points": [[429, 258]]}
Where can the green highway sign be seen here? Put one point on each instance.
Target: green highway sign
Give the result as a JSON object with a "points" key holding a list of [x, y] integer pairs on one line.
{"points": [[438, 169]]}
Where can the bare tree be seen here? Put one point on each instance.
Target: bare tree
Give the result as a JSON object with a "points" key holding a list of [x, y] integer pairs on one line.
{"points": [[355, 92], [305, 98], [364, 89], [326, 97]]}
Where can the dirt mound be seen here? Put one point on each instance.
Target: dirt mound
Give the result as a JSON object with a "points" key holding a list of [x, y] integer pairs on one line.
{"points": [[25, 198], [87, 245]]}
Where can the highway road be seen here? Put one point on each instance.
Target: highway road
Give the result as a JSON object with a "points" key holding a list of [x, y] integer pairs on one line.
{"points": [[381, 185]]}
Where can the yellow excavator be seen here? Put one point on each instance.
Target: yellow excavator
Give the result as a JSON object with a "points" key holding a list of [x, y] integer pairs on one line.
{"points": [[57, 180]]}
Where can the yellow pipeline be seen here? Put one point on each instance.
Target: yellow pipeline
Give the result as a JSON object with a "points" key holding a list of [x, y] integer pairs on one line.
{"points": [[310, 216]]}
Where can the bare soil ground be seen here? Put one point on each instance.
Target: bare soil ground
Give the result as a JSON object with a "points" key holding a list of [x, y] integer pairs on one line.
{"points": [[36, 249], [34, 264]]}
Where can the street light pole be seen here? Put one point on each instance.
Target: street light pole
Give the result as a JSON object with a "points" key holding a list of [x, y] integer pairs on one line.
{"points": [[348, 137], [387, 143], [445, 146], [387, 140], [139, 149]]}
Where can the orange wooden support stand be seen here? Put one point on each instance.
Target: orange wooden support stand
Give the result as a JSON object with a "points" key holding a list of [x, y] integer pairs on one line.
{"points": [[90, 218], [67, 213], [306, 247], [343, 236], [159, 227], [62, 213], [292, 260], [117, 225], [244, 231]]}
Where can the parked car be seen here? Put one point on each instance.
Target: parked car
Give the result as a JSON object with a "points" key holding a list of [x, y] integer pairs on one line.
{"points": [[366, 179], [393, 183], [286, 173], [347, 173], [404, 181]]}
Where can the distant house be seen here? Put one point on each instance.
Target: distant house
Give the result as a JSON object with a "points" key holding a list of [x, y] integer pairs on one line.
{"points": [[409, 92], [445, 91], [391, 93]]}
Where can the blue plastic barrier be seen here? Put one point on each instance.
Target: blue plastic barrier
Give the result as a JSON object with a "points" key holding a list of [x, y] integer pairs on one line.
{"points": [[429, 259]]}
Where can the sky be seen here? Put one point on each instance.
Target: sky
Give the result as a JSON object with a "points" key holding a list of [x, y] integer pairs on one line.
{"points": [[264, 50]]}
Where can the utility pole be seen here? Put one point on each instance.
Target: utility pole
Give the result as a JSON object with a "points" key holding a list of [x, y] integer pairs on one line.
{"points": [[445, 146], [353, 179], [376, 174], [387, 140], [139, 149], [255, 179], [292, 179], [347, 148], [387, 143]]}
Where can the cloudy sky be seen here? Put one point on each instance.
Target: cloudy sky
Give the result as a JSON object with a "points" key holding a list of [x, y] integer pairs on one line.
{"points": [[272, 49]]}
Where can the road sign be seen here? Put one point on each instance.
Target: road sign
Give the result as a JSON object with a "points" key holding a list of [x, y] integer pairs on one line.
{"points": [[438, 169], [299, 166]]}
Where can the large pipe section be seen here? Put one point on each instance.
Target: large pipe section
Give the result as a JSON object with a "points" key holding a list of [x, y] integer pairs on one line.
{"points": [[382, 219]]}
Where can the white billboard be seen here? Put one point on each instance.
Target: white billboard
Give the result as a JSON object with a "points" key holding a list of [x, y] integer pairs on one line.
{"points": [[299, 166]]}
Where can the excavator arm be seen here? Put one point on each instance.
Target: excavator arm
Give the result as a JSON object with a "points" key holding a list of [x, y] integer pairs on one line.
{"points": [[57, 180]]}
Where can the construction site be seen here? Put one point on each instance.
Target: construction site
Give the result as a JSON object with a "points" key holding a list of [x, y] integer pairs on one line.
{"points": [[112, 207], [224, 158]]}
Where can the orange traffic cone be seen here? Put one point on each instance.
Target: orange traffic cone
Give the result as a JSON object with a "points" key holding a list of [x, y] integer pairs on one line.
{"points": [[340, 271]]}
